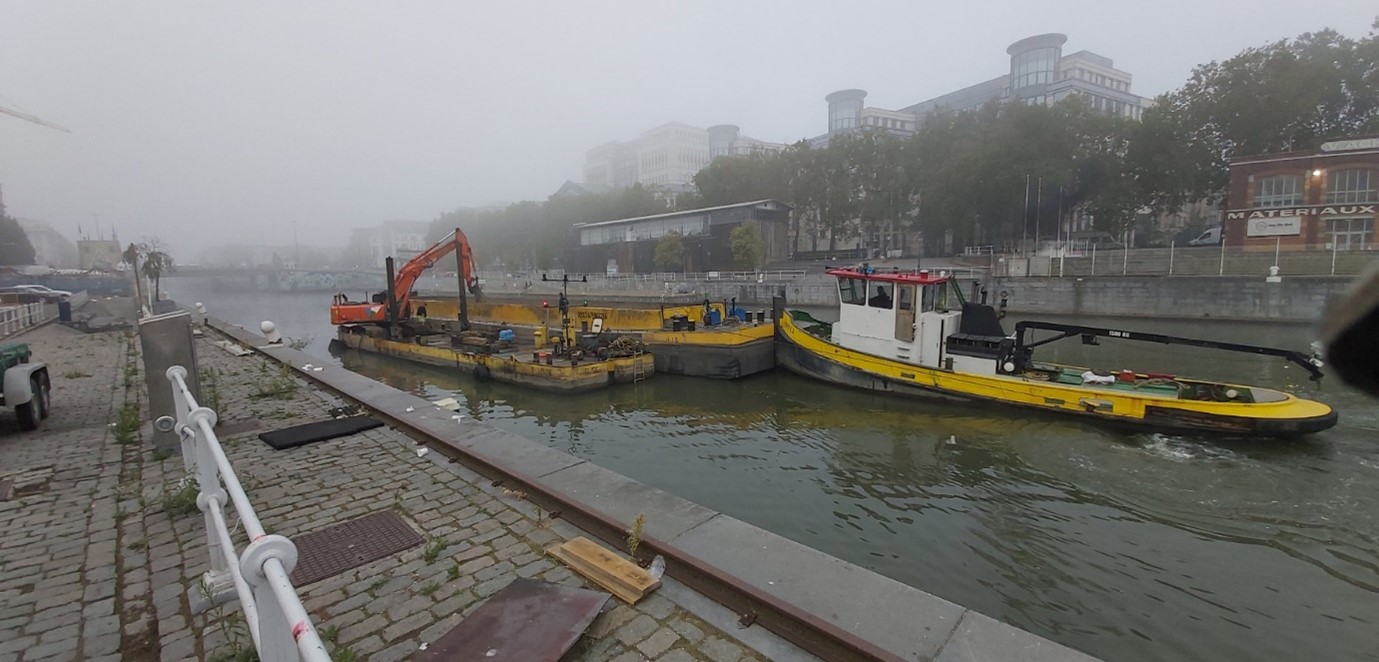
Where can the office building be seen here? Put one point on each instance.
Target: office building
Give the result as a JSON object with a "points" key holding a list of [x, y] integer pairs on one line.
{"points": [[1323, 199], [666, 157], [628, 245]]}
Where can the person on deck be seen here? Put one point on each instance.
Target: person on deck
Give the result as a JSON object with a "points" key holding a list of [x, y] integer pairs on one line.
{"points": [[881, 299]]}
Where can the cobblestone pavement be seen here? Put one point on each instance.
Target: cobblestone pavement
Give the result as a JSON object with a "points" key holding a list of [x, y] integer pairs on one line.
{"points": [[101, 550]]}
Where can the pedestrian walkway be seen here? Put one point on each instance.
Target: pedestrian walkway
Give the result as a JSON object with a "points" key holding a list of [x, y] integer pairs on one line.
{"points": [[101, 549]]}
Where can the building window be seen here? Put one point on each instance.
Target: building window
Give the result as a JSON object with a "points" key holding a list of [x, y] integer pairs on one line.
{"points": [[1351, 234], [1035, 67], [1278, 191], [1355, 185]]}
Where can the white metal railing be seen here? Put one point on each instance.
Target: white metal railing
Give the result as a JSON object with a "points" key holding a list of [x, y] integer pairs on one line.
{"points": [[278, 623], [17, 317]]}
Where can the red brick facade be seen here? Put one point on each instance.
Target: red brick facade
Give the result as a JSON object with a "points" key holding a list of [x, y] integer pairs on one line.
{"points": [[1268, 192]]}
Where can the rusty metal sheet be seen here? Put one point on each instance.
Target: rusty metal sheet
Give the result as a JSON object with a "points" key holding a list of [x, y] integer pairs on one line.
{"points": [[350, 544], [527, 621]]}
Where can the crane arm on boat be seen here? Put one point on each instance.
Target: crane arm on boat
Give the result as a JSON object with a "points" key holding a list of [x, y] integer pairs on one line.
{"points": [[1022, 350]]}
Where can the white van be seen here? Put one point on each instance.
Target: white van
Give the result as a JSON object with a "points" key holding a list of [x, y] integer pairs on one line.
{"points": [[1211, 237]]}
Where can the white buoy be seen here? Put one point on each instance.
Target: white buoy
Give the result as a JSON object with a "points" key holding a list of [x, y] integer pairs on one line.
{"points": [[270, 331]]}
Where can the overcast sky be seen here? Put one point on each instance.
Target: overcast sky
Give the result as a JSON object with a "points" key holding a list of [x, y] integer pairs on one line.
{"points": [[205, 123]]}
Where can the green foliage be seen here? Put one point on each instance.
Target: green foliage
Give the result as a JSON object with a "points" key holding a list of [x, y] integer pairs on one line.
{"points": [[1287, 95], [634, 535], [279, 384], [433, 550], [670, 252], [453, 572], [745, 243], [127, 423], [182, 501], [159, 455], [429, 589], [74, 374], [210, 383], [138, 545], [14, 243]]}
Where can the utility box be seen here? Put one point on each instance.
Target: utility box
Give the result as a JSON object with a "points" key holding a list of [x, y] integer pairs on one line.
{"points": [[166, 341]]}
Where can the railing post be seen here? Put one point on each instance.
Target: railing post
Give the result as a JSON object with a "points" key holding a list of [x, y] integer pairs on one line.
{"points": [[218, 578], [1170, 257], [277, 642]]}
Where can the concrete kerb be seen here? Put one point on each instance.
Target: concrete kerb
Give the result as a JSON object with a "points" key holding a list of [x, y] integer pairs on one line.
{"points": [[782, 585]]}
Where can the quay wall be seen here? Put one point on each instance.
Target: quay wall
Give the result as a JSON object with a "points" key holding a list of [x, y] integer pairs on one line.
{"points": [[828, 606], [1295, 299]]}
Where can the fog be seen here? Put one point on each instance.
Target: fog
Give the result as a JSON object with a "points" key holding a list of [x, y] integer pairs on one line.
{"points": [[234, 122]]}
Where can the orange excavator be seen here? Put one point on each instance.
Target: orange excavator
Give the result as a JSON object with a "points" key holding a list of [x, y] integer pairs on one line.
{"points": [[344, 311]]}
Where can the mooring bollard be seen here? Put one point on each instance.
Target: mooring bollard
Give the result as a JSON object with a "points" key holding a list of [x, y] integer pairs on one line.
{"points": [[200, 317], [270, 331]]}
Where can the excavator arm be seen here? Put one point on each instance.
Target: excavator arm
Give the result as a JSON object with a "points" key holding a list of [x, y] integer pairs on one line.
{"points": [[346, 312]]}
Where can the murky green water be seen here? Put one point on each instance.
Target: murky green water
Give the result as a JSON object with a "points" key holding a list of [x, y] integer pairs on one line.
{"points": [[1127, 546]]}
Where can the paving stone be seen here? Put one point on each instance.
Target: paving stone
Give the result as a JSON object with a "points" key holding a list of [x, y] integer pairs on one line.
{"points": [[396, 652], [720, 650], [688, 630], [637, 630], [677, 655], [629, 656], [407, 625], [659, 642]]}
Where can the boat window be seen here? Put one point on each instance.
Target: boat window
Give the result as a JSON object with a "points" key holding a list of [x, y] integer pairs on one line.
{"points": [[880, 297], [927, 305], [905, 297], [853, 291], [941, 297]]}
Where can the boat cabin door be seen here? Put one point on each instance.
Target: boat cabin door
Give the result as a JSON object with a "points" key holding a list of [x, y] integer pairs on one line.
{"points": [[905, 313]]}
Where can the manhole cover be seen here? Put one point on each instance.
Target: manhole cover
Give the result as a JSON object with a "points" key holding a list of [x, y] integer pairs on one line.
{"points": [[335, 549]]}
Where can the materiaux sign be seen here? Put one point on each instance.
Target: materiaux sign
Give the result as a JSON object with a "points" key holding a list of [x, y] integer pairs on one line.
{"points": [[1274, 227], [1311, 210]]}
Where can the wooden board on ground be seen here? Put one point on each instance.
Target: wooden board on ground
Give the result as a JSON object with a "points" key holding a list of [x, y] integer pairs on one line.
{"points": [[619, 576], [233, 348]]}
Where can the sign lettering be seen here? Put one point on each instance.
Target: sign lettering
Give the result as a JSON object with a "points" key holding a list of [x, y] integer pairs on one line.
{"points": [[1346, 145], [1274, 227], [1314, 210]]}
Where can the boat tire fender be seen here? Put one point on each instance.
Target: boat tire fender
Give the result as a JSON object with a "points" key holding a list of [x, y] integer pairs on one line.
{"points": [[483, 374]]}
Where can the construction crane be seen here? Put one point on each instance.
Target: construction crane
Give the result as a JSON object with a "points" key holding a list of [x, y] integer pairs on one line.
{"points": [[25, 116]]}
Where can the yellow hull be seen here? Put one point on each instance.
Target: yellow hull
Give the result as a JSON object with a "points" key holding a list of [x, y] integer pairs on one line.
{"points": [[808, 354]]}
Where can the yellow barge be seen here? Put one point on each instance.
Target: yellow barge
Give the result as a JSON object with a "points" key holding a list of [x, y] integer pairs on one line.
{"points": [[718, 345], [511, 367]]}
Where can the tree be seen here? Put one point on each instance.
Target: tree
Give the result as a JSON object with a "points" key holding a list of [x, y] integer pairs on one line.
{"points": [[745, 243], [157, 262], [14, 243], [1288, 95], [670, 252]]}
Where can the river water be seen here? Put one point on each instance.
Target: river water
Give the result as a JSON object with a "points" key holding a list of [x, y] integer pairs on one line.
{"points": [[1129, 546]]}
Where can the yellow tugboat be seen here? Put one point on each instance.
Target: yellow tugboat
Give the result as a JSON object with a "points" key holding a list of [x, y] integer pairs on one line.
{"points": [[913, 334]]}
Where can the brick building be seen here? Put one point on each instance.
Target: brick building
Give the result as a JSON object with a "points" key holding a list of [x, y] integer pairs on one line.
{"points": [[1323, 199]]}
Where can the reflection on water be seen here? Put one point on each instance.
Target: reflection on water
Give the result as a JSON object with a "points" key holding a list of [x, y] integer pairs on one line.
{"points": [[1129, 546]]}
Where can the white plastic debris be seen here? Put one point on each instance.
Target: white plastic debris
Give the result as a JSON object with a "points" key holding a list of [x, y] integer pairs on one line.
{"points": [[422, 451], [411, 409], [422, 647], [449, 403], [658, 566]]}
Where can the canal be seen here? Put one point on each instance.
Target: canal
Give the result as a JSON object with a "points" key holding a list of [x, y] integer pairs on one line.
{"points": [[1130, 546]]}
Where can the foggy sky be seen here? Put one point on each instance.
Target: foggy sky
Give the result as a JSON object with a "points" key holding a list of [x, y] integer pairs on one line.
{"points": [[211, 123]]}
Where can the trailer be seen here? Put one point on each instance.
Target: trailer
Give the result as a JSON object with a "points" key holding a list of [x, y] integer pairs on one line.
{"points": [[26, 385]]}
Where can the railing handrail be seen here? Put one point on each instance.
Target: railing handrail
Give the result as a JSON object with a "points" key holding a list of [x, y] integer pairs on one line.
{"points": [[278, 622]]}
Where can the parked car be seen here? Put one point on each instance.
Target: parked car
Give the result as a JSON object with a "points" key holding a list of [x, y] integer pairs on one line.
{"points": [[1211, 237], [42, 292]]}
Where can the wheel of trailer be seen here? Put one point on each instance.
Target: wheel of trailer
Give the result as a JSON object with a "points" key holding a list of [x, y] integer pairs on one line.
{"points": [[29, 414], [43, 395]]}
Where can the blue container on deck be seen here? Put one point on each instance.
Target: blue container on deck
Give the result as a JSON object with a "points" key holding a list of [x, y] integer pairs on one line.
{"points": [[713, 318], [507, 335]]}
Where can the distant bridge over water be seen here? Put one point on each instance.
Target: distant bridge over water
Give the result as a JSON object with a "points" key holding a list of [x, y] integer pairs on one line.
{"points": [[267, 279]]}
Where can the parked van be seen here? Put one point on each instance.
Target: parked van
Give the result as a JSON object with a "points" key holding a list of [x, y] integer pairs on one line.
{"points": [[1211, 237]]}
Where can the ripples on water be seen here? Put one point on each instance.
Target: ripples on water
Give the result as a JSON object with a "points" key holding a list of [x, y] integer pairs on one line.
{"points": [[1128, 546]]}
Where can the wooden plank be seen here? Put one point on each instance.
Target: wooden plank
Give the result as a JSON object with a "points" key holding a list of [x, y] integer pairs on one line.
{"points": [[617, 567], [610, 571]]}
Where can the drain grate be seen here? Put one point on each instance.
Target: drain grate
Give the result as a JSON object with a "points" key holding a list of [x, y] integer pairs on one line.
{"points": [[340, 547]]}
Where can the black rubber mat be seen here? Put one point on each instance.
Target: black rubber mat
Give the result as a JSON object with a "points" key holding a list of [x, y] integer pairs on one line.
{"points": [[300, 435], [335, 549]]}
